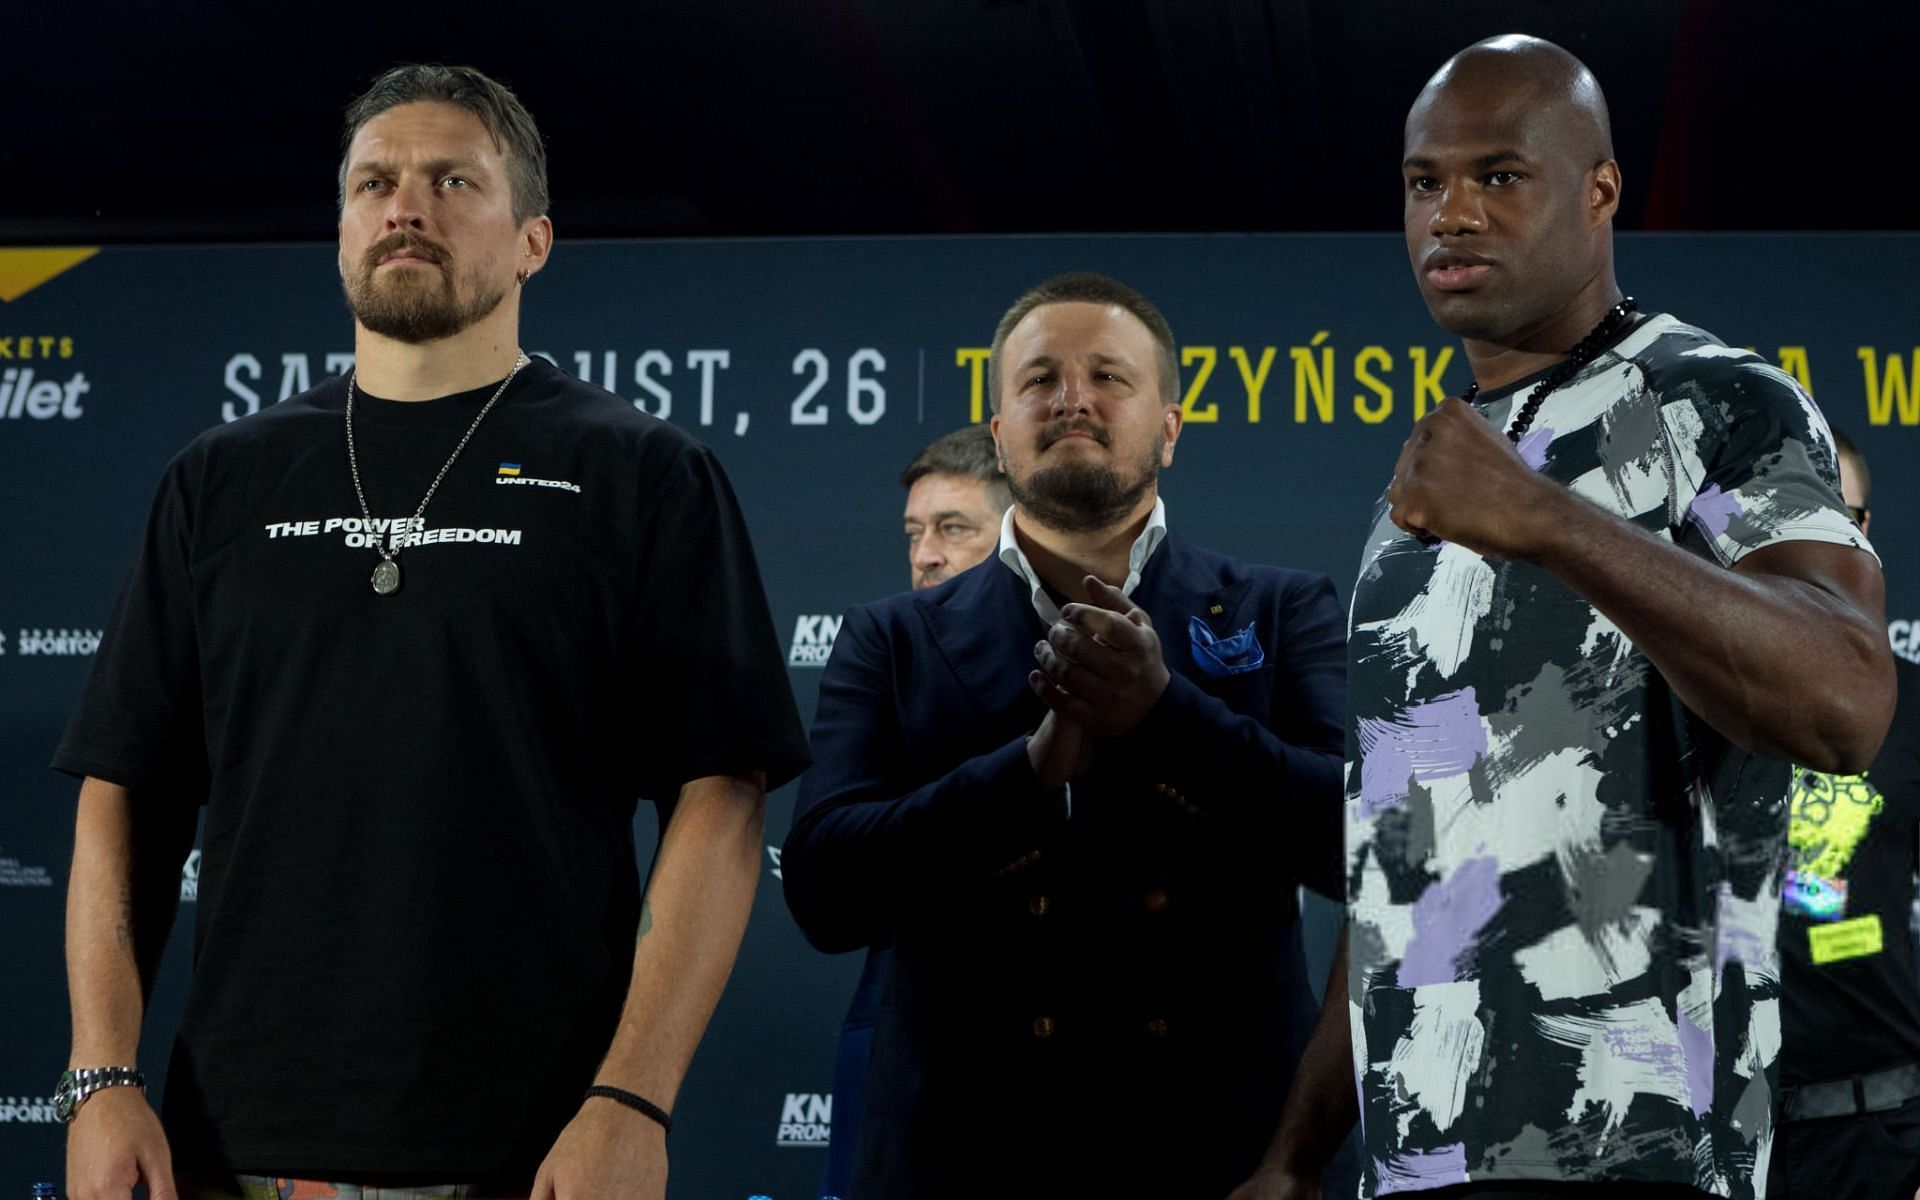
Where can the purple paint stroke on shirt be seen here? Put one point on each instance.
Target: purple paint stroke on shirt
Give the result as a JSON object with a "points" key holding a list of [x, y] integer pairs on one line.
{"points": [[1440, 738], [1637, 1044], [1419, 1170], [1712, 509], [1734, 940], [1447, 920], [1697, 1045], [1533, 446]]}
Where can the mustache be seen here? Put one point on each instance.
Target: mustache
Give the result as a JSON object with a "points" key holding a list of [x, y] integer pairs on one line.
{"points": [[432, 251], [1066, 425]]}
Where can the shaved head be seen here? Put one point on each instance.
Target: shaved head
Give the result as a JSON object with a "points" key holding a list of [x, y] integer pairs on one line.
{"points": [[1511, 189], [1520, 69]]}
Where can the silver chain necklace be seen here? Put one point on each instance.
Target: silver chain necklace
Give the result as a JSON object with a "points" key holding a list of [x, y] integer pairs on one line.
{"points": [[386, 576]]}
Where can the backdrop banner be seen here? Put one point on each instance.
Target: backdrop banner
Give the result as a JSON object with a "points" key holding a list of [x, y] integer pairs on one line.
{"points": [[815, 369]]}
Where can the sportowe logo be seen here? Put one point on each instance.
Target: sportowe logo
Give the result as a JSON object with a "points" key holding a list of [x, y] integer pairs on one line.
{"points": [[813, 635], [190, 877], [28, 1110], [773, 852], [806, 1119], [62, 643]]}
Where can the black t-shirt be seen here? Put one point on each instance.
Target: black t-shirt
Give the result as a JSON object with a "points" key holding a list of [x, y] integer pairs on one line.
{"points": [[1850, 998], [418, 895]]}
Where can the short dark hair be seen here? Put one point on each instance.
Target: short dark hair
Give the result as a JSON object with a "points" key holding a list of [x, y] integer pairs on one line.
{"points": [[1844, 444], [967, 452], [507, 120], [1087, 287]]}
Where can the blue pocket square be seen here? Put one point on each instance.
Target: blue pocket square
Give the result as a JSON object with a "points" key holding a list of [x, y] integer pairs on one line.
{"points": [[1220, 657]]}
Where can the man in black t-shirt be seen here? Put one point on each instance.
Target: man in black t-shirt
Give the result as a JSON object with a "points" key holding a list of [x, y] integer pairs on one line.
{"points": [[1850, 998], [420, 639]]}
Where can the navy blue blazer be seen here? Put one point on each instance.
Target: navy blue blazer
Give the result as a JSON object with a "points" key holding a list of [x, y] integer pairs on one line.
{"points": [[1065, 988]]}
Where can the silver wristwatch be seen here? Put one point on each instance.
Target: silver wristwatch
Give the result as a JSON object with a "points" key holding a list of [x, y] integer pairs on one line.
{"points": [[76, 1086]]}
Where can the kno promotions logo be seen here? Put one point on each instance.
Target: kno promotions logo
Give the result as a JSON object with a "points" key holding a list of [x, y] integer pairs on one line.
{"points": [[27, 1110], [806, 1119], [813, 635]]}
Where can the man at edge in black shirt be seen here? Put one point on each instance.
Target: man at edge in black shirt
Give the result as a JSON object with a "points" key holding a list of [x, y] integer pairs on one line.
{"points": [[1850, 991]]}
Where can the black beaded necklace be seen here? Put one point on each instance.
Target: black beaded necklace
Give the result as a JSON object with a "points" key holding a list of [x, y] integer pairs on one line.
{"points": [[1588, 350]]}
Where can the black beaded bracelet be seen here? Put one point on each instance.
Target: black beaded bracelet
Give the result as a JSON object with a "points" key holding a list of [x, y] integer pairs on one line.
{"points": [[639, 1104]]}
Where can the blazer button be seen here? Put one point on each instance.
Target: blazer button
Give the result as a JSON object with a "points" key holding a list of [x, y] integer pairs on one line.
{"points": [[1043, 1027], [1154, 901], [1157, 1027], [1038, 906]]}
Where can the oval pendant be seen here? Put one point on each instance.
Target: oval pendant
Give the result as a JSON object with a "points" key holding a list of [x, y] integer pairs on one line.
{"points": [[386, 577]]}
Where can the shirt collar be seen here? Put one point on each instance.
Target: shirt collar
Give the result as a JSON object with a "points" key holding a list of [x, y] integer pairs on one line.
{"points": [[1143, 548]]}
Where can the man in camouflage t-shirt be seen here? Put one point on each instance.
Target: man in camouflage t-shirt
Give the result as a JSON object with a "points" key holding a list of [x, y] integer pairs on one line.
{"points": [[1564, 883], [1575, 619]]}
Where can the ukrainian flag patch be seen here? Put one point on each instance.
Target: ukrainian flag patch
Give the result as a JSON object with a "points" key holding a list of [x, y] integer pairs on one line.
{"points": [[507, 468]]}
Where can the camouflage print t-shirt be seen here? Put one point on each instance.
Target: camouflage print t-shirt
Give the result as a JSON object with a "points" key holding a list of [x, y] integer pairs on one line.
{"points": [[1564, 885]]}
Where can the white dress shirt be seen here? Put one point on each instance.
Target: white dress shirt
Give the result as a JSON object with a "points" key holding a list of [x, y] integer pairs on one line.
{"points": [[1043, 605], [1143, 548]]}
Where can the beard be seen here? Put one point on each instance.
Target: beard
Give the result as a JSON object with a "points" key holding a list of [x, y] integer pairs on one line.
{"points": [[1084, 497], [411, 305]]}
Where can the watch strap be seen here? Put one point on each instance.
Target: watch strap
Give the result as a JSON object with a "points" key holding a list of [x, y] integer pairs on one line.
{"points": [[85, 1081]]}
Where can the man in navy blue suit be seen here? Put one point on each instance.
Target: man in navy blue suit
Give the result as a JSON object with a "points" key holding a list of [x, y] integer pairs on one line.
{"points": [[1077, 786]]}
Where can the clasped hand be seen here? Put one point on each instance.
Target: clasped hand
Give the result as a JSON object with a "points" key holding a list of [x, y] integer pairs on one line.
{"points": [[1100, 665]]}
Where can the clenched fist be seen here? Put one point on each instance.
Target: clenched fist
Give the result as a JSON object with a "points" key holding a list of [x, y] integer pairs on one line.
{"points": [[1460, 480]]}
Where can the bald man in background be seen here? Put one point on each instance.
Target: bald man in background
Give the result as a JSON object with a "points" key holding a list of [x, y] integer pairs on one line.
{"points": [[1592, 579]]}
